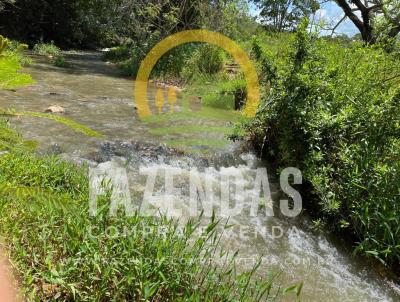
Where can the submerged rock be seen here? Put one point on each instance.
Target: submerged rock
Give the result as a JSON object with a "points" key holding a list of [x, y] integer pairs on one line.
{"points": [[55, 109]]}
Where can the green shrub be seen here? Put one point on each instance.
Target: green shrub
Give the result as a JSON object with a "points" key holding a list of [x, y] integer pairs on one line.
{"points": [[60, 61], [11, 61], [129, 67], [16, 46], [15, 49], [172, 64], [169, 66], [10, 77], [45, 49], [334, 112], [183, 62], [23, 60], [205, 59]]}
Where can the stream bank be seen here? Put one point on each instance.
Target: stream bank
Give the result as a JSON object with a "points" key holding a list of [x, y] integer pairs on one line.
{"points": [[95, 95]]}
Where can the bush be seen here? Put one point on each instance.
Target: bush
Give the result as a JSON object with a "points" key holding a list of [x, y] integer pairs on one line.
{"points": [[15, 49], [60, 61], [334, 112], [11, 61], [205, 59], [129, 67], [172, 64], [182, 62], [44, 49], [15, 46], [10, 77]]}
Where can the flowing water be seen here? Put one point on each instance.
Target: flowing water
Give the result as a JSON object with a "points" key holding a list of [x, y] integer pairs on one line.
{"points": [[93, 94]]}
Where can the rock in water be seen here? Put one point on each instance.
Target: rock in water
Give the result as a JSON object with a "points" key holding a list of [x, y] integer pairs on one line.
{"points": [[55, 109]]}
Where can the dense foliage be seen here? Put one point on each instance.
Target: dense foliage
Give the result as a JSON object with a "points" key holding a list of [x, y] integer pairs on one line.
{"points": [[334, 112], [11, 61], [96, 23], [46, 49], [283, 15], [330, 107]]}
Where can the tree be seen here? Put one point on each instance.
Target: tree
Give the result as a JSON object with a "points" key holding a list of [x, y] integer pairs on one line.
{"points": [[229, 17], [374, 19], [91, 23], [40, 20], [99, 23], [283, 15], [4, 2]]}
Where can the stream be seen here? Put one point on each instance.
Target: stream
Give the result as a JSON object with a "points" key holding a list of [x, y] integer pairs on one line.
{"points": [[94, 94]]}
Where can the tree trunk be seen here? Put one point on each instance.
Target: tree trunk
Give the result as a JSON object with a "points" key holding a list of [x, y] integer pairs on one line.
{"points": [[364, 26]]}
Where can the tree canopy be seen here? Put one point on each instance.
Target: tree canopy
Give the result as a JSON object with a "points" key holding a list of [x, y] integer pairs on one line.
{"points": [[92, 23], [374, 19], [281, 15]]}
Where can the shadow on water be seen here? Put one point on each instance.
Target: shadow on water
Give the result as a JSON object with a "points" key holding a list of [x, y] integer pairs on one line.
{"points": [[81, 63]]}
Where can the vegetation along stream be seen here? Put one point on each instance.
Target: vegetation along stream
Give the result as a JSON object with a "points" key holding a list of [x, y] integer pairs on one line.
{"points": [[93, 94], [224, 150]]}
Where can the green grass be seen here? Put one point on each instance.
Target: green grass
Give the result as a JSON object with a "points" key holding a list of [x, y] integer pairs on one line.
{"points": [[59, 252], [67, 122], [218, 91], [10, 140]]}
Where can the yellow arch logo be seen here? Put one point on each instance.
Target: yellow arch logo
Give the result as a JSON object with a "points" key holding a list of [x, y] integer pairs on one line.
{"points": [[189, 36]]}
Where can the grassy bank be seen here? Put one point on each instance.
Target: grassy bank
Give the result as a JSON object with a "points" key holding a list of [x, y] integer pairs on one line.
{"points": [[333, 111]]}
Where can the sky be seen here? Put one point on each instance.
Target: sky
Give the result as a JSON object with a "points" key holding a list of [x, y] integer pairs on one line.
{"points": [[331, 13]]}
